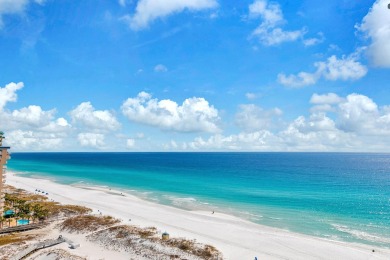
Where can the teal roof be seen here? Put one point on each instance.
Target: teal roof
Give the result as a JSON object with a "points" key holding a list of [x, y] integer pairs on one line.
{"points": [[9, 212]]}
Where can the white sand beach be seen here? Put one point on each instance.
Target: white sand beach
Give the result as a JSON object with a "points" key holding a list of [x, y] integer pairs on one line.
{"points": [[236, 238]]}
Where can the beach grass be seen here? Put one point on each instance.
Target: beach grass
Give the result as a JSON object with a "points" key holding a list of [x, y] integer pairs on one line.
{"points": [[15, 238], [87, 223]]}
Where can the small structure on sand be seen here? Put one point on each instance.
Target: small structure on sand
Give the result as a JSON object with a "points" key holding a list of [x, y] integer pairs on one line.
{"points": [[165, 236]]}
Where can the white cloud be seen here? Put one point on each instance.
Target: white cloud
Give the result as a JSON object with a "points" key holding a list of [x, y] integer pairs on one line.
{"points": [[271, 13], [12, 6], [122, 3], [33, 141], [86, 115], [33, 116], [354, 123], [194, 115], [59, 125], [130, 143], [376, 27], [252, 96], [251, 117], [91, 140], [148, 11], [160, 68], [330, 98], [30, 128], [300, 80], [345, 68], [359, 113], [8, 93], [8, 7], [259, 141], [323, 103], [314, 41], [317, 133], [269, 32]]}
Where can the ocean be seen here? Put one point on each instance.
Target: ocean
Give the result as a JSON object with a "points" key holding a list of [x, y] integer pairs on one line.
{"points": [[338, 196]]}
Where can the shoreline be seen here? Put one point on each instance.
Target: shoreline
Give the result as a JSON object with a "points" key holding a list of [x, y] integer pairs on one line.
{"points": [[236, 238]]}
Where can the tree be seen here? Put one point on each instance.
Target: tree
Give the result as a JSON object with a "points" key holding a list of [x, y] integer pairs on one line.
{"points": [[2, 218], [39, 212], [1, 137], [24, 210]]}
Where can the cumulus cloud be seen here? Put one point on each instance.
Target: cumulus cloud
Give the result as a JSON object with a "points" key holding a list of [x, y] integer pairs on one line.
{"points": [[160, 68], [193, 115], [360, 114], [251, 117], [8, 93], [346, 68], [269, 32], [86, 116], [355, 113], [329, 98], [316, 133], [30, 128], [148, 11], [92, 140], [354, 123], [33, 140], [33, 116], [300, 80], [324, 102], [376, 27]]}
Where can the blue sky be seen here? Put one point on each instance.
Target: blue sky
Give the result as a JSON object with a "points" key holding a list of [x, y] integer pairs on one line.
{"points": [[195, 75]]}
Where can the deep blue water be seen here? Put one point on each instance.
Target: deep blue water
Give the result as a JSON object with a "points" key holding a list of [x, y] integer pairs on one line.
{"points": [[334, 195]]}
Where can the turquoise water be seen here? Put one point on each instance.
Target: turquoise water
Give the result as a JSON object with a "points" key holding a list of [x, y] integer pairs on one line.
{"points": [[9, 213], [23, 222], [332, 195]]}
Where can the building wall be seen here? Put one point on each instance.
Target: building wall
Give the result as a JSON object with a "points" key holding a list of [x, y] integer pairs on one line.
{"points": [[4, 156]]}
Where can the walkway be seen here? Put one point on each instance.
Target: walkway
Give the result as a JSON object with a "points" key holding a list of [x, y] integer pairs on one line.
{"points": [[35, 247], [21, 228]]}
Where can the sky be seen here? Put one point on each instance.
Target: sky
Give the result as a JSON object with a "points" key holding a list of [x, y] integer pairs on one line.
{"points": [[195, 75]]}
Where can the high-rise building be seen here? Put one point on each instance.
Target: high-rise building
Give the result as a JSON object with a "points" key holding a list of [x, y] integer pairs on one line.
{"points": [[4, 156]]}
